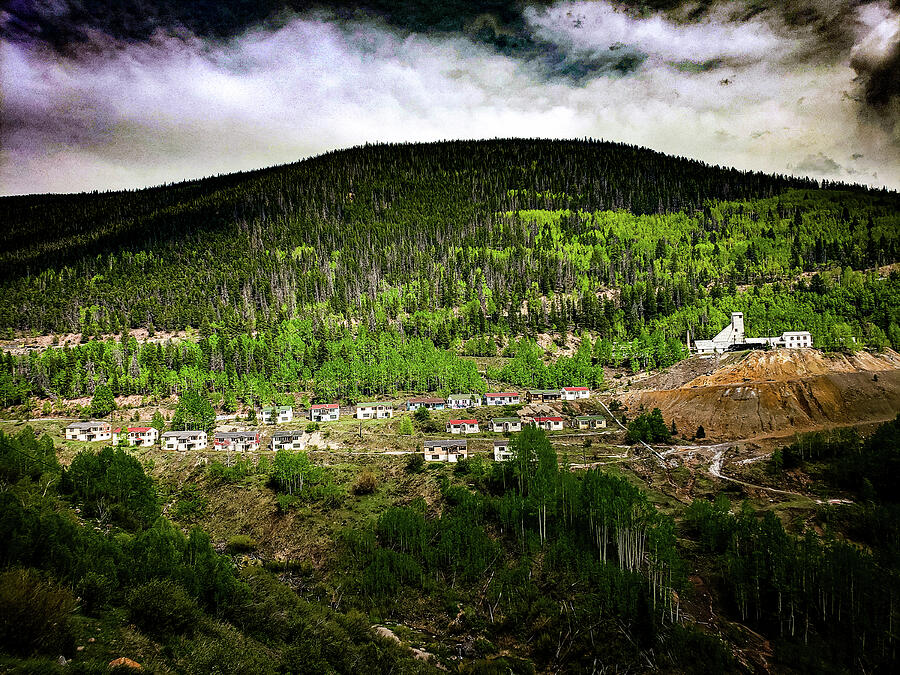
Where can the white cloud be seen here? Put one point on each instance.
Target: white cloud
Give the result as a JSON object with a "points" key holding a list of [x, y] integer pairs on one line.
{"points": [[179, 107]]}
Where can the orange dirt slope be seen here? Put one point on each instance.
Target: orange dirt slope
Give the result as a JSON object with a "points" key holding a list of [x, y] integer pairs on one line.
{"points": [[743, 396]]}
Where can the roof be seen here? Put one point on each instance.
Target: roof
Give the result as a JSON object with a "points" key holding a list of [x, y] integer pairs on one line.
{"points": [[575, 389], [506, 419], [549, 419], [236, 434], [183, 434], [285, 408], [504, 393], [287, 434], [446, 444], [460, 397], [587, 418], [426, 400], [544, 392], [373, 404], [85, 425], [117, 430], [502, 442], [324, 406], [463, 422], [141, 429]]}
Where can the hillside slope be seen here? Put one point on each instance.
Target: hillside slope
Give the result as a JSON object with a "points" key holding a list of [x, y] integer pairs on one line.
{"points": [[743, 396]]}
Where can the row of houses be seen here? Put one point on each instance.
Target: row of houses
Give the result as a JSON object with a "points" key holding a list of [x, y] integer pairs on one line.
{"points": [[513, 424], [462, 401], [377, 410]]}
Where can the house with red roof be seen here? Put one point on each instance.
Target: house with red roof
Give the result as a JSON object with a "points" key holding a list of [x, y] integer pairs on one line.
{"points": [[324, 412], [462, 426]]}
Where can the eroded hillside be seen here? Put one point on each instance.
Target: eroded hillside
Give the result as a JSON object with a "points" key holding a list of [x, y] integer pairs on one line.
{"points": [[743, 396]]}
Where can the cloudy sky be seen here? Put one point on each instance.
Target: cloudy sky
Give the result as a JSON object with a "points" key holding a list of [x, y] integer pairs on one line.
{"points": [[106, 94]]}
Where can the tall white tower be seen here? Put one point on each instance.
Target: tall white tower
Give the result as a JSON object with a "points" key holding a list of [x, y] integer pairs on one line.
{"points": [[737, 327]]}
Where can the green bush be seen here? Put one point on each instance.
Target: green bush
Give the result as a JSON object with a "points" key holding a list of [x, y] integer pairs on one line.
{"points": [[96, 589], [415, 463], [163, 608], [241, 543], [34, 614]]}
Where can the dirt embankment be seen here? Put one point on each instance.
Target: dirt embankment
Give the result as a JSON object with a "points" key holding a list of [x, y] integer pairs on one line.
{"points": [[747, 395]]}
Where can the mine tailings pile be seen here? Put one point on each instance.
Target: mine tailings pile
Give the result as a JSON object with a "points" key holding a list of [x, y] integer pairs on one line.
{"points": [[760, 393]]}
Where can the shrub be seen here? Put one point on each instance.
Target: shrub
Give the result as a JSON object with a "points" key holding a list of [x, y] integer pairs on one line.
{"points": [[34, 614], [415, 463], [365, 484], [95, 590], [241, 543], [163, 608]]}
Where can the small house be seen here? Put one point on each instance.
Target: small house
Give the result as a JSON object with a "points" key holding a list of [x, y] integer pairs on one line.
{"points": [[287, 440], [277, 414], [575, 393], [503, 398], [324, 412], [427, 403], [462, 426], [549, 423], [589, 422], [446, 451], [374, 411], [461, 401], [502, 425], [184, 441], [236, 441], [544, 395], [144, 437], [502, 451], [92, 430]]}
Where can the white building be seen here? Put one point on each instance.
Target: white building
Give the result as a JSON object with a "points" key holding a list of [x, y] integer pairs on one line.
{"points": [[236, 441], [324, 412], [502, 451], [462, 426], [575, 393], [144, 437], [549, 423], [503, 425], [374, 411], [733, 334], [92, 430], [277, 415], [446, 451], [461, 401], [287, 440], [503, 398], [184, 440], [589, 422]]}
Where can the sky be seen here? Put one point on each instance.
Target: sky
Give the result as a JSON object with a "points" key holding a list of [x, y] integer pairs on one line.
{"points": [[114, 94]]}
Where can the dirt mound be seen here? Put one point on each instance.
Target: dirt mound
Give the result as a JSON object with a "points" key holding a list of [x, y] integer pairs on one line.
{"points": [[743, 396]]}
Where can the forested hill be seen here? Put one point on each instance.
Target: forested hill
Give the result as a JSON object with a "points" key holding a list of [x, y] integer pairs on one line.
{"points": [[518, 233]]}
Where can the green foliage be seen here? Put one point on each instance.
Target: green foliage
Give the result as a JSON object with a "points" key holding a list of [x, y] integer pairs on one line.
{"points": [[163, 608], [194, 412], [158, 422], [801, 588], [241, 543], [191, 503], [648, 427], [103, 402], [112, 485], [406, 426], [415, 463], [34, 614], [23, 455]]}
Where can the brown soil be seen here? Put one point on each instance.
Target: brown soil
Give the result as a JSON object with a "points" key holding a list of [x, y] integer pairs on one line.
{"points": [[746, 395]]}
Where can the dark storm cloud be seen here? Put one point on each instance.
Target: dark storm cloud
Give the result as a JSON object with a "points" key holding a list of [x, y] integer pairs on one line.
{"points": [[160, 91]]}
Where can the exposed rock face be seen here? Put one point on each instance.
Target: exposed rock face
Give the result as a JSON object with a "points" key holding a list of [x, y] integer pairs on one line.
{"points": [[768, 392]]}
